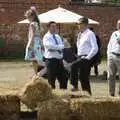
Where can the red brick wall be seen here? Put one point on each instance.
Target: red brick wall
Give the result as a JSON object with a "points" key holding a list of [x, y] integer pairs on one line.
{"points": [[106, 15], [12, 11]]}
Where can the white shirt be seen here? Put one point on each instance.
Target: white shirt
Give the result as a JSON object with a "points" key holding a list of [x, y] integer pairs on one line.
{"points": [[49, 43], [113, 45], [87, 44]]}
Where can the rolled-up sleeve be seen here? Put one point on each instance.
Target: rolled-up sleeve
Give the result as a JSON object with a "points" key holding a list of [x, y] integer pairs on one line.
{"points": [[94, 46]]}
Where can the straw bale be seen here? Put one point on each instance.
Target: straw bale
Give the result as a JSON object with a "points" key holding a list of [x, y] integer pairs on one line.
{"points": [[54, 109], [37, 90], [9, 107], [96, 108], [61, 93], [83, 107], [69, 94]]}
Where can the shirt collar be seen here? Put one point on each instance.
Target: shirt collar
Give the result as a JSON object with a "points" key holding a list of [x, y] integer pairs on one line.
{"points": [[81, 33], [85, 31], [50, 33]]}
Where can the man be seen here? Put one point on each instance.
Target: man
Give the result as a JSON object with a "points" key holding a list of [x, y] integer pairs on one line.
{"points": [[68, 57], [86, 50], [97, 58], [113, 54], [53, 54]]}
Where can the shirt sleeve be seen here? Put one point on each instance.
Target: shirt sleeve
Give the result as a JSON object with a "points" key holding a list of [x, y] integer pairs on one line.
{"points": [[94, 46], [50, 45], [109, 47]]}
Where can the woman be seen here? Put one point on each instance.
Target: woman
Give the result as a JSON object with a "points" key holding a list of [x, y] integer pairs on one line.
{"points": [[33, 48]]}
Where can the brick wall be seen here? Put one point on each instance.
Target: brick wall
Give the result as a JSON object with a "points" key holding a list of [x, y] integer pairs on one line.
{"points": [[12, 11], [106, 15]]}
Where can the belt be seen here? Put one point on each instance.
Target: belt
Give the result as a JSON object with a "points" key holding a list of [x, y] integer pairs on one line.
{"points": [[81, 56], [117, 54]]}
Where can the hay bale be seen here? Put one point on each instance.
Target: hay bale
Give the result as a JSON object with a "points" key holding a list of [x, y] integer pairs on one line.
{"points": [[54, 109], [61, 93], [95, 108], [37, 90], [58, 108], [69, 94], [9, 107], [63, 107]]}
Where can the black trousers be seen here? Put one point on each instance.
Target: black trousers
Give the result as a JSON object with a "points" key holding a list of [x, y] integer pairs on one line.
{"points": [[96, 69], [81, 70], [55, 71]]}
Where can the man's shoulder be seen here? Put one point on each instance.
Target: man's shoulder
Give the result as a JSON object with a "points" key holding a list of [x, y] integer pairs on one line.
{"points": [[90, 32], [57, 35], [47, 35], [115, 32]]}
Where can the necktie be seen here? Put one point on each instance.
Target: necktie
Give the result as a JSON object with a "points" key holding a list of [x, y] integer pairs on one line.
{"points": [[54, 37]]}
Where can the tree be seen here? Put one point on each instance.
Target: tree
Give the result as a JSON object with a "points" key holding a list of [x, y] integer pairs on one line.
{"points": [[115, 1]]}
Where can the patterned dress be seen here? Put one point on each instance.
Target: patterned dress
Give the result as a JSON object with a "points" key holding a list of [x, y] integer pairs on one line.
{"points": [[34, 53]]}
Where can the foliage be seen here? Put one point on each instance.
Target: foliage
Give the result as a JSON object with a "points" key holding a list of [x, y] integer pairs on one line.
{"points": [[2, 46], [115, 1], [11, 49]]}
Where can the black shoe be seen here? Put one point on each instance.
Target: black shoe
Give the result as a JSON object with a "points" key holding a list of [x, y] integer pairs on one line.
{"points": [[96, 74], [113, 95], [74, 89]]}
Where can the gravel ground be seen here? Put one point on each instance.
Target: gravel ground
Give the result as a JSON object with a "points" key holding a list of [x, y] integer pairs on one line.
{"points": [[14, 75]]}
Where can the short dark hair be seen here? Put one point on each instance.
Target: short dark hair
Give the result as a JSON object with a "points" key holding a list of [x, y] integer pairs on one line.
{"points": [[83, 20], [51, 22], [91, 28]]}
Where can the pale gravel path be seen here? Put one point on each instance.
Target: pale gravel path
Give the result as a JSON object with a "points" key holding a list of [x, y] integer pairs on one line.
{"points": [[13, 76]]}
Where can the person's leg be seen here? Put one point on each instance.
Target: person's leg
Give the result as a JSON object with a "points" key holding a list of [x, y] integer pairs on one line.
{"points": [[62, 75], [84, 75], [65, 79], [74, 75], [35, 66], [43, 72], [117, 62], [111, 75], [40, 68], [96, 70], [51, 70]]}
